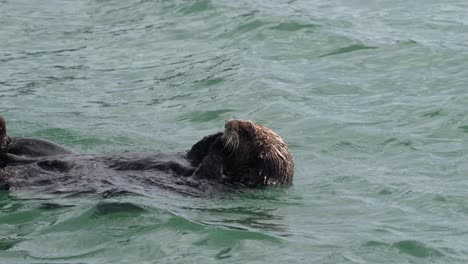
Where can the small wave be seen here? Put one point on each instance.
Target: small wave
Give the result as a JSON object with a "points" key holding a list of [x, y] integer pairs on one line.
{"points": [[197, 7], [229, 237], [124, 209], [416, 248], [8, 243], [293, 26], [413, 248], [347, 49], [54, 206], [204, 116]]}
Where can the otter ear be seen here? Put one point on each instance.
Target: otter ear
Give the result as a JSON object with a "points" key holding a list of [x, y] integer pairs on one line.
{"points": [[250, 122], [250, 126], [3, 135]]}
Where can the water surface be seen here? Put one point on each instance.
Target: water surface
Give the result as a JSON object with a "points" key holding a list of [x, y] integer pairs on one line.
{"points": [[370, 95]]}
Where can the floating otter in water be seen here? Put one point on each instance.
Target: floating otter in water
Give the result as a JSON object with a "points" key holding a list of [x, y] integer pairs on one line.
{"points": [[245, 154]]}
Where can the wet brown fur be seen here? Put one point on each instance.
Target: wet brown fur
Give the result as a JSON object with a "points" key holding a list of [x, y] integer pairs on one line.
{"points": [[271, 152], [249, 154], [244, 153]]}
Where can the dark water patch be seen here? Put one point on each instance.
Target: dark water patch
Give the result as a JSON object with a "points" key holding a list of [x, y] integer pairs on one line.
{"points": [[262, 213], [399, 143], [197, 7], [171, 76], [61, 79], [73, 193], [434, 113], [65, 259], [86, 217], [112, 70], [376, 244], [440, 198], [180, 97], [271, 195], [407, 42], [416, 248], [54, 206], [79, 31], [249, 14], [293, 26], [6, 84], [26, 89], [337, 257], [351, 48], [257, 218], [251, 223], [117, 209], [243, 29], [385, 192], [3, 60], [230, 237], [251, 26], [224, 254], [116, 192], [20, 217], [183, 225], [464, 128], [209, 82], [338, 89], [74, 67], [346, 145], [105, 104], [49, 52], [8, 243]]}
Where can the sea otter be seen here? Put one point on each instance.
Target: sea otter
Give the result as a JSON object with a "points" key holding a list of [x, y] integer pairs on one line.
{"points": [[244, 154]]}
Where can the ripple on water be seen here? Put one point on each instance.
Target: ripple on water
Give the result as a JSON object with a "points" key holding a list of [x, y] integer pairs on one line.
{"points": [[413, 248], [370, 95], [117, 209], [351, 48], [205, 116], [8, 243], [197, 7], [293, 26], [416, 248]]}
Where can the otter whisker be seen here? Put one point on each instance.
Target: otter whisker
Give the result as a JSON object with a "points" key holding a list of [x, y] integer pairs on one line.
{"points": [[231, 143]]}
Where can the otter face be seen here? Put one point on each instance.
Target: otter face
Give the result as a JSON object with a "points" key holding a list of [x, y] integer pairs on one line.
{"points": [[255, 155], [245, 153]]}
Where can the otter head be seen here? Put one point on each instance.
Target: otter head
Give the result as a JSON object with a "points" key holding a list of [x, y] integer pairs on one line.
{"points": [[237, 132], [255, 155], [2, 126], [3, 135]]}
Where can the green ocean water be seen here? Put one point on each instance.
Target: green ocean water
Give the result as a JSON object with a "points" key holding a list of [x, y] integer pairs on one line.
{"points": [[371, 96]]}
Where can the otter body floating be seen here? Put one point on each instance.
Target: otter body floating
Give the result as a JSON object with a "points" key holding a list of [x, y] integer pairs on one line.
{"points": [[245, 154]]}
